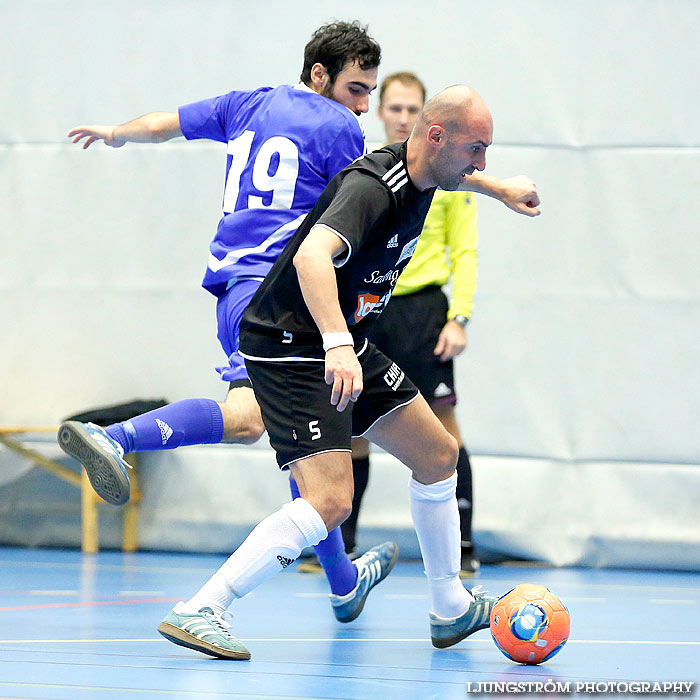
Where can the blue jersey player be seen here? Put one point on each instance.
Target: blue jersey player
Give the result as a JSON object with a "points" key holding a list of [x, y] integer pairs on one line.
{"points": [[283, 146]]}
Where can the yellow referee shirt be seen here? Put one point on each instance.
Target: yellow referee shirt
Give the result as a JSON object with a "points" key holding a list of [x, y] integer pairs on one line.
{"points": [[447, 248]]}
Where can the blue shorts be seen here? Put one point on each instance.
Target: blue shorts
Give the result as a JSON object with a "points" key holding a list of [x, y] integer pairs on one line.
{"points": [[229, 311]]}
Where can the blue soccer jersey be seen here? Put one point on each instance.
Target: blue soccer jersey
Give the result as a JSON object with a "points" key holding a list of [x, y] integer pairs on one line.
{"points": [[284, 146]]}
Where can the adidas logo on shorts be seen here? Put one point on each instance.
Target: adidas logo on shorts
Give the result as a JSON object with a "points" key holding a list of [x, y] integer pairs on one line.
{"points": [[284, 561], [442, 390], [165, 430]]}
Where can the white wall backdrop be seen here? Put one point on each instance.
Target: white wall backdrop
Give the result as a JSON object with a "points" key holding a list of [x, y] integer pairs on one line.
{"points": [[585, 340]]}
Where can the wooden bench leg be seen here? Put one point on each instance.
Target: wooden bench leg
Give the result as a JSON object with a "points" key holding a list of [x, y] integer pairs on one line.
{"points": [[130, 541], [88, 516], [89, 500]]}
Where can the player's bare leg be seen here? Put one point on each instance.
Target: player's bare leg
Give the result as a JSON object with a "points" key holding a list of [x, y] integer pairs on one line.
{"points": [[445, 413], [200, 622], [414, 435], [339, 567], [326, 482], [360, 447], [360, 473], [243, 423], [189, 422]]}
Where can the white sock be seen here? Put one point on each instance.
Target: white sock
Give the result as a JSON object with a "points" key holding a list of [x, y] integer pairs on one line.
{"points": [[436, 519], [271, 547]]}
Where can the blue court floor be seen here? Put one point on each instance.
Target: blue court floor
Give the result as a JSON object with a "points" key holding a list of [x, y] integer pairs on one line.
{"points": [[79, 627]]}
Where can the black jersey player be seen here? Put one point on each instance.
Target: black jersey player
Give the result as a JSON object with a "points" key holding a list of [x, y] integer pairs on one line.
{"points": [[319, 382]]}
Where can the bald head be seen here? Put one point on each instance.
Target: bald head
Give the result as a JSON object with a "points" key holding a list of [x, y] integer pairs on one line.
{"points": [[450, 139], [457, 109]]}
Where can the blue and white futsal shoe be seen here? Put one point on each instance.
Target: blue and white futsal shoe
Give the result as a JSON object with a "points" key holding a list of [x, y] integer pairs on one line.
{"points": [[102, 457], [203, 631], [372, 568], [446, 631]]}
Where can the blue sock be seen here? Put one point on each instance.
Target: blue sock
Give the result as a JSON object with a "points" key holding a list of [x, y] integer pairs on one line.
{"points": [[188, 422], [340, 571]]}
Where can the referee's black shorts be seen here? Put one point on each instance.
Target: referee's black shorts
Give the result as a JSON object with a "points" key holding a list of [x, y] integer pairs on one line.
{"points": [[408, 331], [296, 409]]}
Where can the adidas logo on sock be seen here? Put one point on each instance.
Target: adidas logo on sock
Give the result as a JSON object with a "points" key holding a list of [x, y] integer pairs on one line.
{"points": [[165, 430], [284, 561]]}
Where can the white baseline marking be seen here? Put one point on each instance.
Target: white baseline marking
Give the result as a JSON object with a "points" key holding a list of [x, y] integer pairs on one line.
{"points": [[287, 640], [405, 595], [167, 569], [101, 567], [311, 595], [151, 691]]}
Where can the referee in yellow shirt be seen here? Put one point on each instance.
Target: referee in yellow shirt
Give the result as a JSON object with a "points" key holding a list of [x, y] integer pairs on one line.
{"points": [[432, 330]]}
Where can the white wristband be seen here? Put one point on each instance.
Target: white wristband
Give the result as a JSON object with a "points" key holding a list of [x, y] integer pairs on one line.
{"points": [[335, 340]]}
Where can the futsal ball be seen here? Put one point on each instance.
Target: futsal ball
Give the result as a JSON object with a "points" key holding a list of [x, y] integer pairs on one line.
{"points": [[529, 624]]}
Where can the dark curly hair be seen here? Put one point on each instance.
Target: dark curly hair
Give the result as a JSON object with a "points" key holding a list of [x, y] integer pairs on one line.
{"points": [[336, 43]]}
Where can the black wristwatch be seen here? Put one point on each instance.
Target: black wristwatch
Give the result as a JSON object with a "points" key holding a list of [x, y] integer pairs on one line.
{"points": [[462, 320]]}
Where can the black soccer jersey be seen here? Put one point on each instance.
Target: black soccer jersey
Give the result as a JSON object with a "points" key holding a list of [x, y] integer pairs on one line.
{"points": [[375, 208]]}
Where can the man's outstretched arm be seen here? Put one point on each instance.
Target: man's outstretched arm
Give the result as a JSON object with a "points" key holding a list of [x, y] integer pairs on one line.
{"points": [[155, 127], [517, 193], [316, 273]]}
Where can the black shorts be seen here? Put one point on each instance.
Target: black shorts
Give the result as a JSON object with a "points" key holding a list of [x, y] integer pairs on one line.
{"points": [[296, 408], [408, 331]]}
